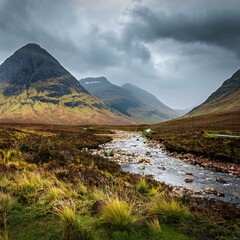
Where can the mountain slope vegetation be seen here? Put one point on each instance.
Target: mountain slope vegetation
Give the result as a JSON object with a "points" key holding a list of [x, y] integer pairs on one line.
{"points": [[129, 100], [36, 88], [225, 98]]}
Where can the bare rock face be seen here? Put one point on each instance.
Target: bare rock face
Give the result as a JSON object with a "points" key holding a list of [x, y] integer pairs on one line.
{"points": [[32, 64]]}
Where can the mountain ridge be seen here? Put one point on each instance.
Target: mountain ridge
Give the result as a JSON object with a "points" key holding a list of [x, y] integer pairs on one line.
{"points": [[35, 87], [125, 100], [225, 98]]}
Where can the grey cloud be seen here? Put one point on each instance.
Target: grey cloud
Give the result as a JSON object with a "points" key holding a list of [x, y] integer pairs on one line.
{"points": [[220, 27], [175, 49], [59, 29]]}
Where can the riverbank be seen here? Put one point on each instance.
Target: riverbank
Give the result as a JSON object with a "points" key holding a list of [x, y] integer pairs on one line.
{"points": [[148, 157], [225, 167]]}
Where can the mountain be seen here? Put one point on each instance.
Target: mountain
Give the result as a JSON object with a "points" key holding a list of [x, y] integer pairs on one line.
{"points": [[34, 87], [158, 109], [182, 112], [129, 100], [225, 98]]}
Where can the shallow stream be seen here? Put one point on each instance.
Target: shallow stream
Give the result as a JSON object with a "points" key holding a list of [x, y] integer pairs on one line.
{"points": [[136, 155]]}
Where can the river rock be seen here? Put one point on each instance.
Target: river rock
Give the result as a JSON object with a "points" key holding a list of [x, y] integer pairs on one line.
{"points": [[139, 159], [221, 180], [148, 154], [117, 156], [197, 192], [189, 173], [221, 194], [209, 190], [188, 180]]}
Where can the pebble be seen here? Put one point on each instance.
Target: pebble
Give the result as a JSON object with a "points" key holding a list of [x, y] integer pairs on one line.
{"points": [[162, 168], [221, 180], [188, 180]]}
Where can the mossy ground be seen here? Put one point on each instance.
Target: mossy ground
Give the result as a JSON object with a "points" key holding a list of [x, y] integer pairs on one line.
{"points": [[48, 165]]}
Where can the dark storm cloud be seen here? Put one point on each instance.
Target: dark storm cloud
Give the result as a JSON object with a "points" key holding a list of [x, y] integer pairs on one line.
{"points": [[220, 27], [56, 27]]}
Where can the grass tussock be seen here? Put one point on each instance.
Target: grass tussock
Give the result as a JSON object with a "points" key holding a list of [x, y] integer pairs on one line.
{"points": [[117, 213], [6, 205], [142, 186], [169, 210], [73, 227], [154, 225]]}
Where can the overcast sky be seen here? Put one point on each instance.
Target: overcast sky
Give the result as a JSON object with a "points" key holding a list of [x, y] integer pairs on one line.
{"points": [[179, 50]]}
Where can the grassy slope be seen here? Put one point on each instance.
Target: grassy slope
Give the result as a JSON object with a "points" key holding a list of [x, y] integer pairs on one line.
{"points": [[51, 158], [88, 110], [225, 103], [225, 98]]}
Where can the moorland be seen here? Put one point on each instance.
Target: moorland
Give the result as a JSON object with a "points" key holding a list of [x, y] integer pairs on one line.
{"points": [[51, 187]]}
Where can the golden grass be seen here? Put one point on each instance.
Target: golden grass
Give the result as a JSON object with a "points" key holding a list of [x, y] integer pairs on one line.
{"points": [[117, 213], [6, 202], [142, 186], [168, 209], [154, 225]]}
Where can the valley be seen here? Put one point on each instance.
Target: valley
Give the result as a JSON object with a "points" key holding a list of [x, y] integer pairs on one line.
{"points": [[49, 169], [111, 162], [119, 120], [149, 158]]}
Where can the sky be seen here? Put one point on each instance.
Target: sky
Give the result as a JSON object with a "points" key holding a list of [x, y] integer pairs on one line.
{"points": [[179, 50]]}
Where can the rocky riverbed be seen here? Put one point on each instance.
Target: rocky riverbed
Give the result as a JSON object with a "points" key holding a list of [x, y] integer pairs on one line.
{"points": [[182, 172]]}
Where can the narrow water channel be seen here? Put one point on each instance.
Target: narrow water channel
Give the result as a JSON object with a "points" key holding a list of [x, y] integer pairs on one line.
{"points": [[136, 155]]}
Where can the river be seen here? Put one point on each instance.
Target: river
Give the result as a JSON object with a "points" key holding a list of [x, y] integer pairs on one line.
{"points": [[137, 155]]}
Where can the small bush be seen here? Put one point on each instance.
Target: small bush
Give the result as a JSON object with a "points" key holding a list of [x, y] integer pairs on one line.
{"points": [[44, 153], [169, 210], [142, 186], [117, 213], [27, 148]]}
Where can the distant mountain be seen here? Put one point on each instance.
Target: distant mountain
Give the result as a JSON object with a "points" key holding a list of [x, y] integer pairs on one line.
{"points": [[34, 87], [182, 112], [225, 98], [129, 100]]}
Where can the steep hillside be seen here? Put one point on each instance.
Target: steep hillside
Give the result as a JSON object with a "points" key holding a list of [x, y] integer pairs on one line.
{"points": [[225, 98], [113, 95], [129, 100], [150, 100], [36, 88]]}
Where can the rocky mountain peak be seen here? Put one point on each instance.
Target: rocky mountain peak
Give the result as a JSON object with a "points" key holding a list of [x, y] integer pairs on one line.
{"points": [[33, 66]]}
